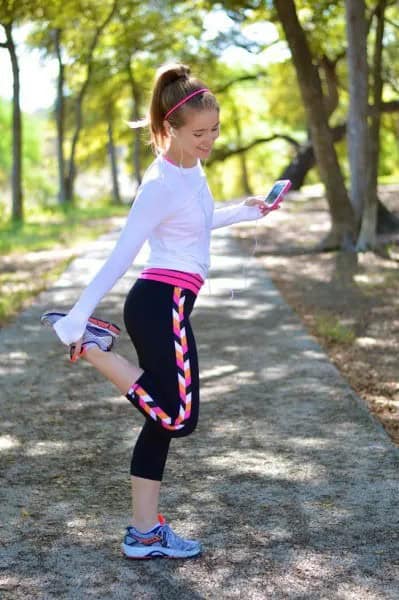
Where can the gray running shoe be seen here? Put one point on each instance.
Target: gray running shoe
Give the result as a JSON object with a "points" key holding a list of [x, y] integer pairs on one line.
{"points": [[160, 542], [98, 332], [94, 324]]}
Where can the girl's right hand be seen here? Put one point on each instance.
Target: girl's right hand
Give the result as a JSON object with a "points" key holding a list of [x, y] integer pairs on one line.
{"points": [[77, 347]]}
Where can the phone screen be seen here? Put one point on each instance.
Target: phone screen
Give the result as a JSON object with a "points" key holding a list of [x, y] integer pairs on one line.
{"points": [[276, 194]]}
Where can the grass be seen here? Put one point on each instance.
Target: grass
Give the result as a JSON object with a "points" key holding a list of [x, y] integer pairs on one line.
{"points": [[333, 331], [46, 230], [17, 290], [56, 228]]}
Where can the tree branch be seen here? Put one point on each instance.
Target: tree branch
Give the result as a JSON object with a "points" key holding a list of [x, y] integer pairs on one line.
{"points": [[223, 153], [386, 107], [396, 25], [225, 86]]}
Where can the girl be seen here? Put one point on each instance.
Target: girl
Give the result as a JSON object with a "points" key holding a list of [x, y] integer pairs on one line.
{"points": [[174, 210]]}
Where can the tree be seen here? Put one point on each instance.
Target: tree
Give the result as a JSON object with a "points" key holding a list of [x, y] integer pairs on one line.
{"points": [[75, 31], [9, 16], [102, 21], [56, 35], [357, 129], [343, 222], [324, 24], [368, 229], [125, 40]]}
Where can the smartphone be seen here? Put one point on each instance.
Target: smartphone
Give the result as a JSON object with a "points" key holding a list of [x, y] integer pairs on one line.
{"points": [[277, 193]]}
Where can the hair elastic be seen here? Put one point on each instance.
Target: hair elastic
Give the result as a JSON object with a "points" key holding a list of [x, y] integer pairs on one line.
{"points": [[184, 100]]}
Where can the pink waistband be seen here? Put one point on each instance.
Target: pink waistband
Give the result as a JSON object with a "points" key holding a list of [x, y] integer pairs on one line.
{"points": [[188, 281]]}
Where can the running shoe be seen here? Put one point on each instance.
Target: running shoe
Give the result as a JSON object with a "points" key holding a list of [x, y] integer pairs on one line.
{"points": [[93, 324], [160, 542], [98, 332]]}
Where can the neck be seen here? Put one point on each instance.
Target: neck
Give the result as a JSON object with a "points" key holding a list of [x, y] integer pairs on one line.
{"points": [[175, 157]]}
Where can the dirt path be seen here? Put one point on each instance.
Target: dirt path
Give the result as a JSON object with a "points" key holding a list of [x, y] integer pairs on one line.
{"points": [[349, 301], [288, 481]]}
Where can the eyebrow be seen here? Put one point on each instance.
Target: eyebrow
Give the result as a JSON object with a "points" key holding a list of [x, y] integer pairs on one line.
{"points": [[199, 130]]}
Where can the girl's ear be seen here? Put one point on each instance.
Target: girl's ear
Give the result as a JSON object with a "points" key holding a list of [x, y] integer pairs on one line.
{"points": [[169, 129]]}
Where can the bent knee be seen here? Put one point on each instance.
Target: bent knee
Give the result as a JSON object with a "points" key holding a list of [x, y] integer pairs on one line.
{"points": [[187, 429]]}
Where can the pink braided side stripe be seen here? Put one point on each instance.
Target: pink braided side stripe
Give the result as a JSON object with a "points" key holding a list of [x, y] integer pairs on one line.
{"points": [[145, 401], [182, 357]]}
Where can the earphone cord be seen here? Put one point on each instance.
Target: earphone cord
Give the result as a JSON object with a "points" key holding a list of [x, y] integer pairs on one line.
{"points": [[246, 264]]}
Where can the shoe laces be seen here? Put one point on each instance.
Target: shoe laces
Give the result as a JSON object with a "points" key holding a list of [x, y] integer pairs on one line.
{"points": [[171, 540]]}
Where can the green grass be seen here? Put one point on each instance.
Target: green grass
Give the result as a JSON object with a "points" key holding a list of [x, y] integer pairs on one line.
{"points": [[332, 330], [45, 231], [16, 292], [56, 228]]}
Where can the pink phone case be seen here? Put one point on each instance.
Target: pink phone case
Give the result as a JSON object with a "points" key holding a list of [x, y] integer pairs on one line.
{"points": [[277, 193]]}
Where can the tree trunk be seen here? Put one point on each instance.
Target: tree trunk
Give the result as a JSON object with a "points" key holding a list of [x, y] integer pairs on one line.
{"points": [[136, 99], [59, 118], [368, 230], [305, 159], [244, 175], [17, 213], [241, 157], [387, 222], [358, 103], [329, 69], [71, 174], [342, 216], [113, 159], [71, 171], [299, 166]]}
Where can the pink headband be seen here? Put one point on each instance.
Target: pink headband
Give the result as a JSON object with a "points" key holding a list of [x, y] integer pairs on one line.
{"points": [[185, 100]]}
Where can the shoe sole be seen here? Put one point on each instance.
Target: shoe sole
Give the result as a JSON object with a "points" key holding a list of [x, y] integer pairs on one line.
{"points": [[156, 553]]}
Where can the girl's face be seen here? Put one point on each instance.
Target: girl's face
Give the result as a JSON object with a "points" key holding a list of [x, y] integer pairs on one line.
{"points": [[195, 139]]}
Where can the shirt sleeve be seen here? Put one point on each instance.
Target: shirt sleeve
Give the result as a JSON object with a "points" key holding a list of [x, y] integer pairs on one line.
{"points": [[150, 207], [234, 214]]}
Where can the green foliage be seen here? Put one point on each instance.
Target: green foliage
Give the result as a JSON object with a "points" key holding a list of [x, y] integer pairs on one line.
{"points": [[389, 151], [139, 38], [284, 102], [37, 178]]}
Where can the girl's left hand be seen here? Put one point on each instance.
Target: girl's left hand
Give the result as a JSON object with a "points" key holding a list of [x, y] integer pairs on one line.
{"points": [[259, 201]]}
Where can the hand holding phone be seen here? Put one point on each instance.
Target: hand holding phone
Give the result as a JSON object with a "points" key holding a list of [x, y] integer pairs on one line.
{"points": [[277, 193]]}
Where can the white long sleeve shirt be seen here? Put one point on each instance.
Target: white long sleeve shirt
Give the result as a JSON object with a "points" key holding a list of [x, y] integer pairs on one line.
{"points": [[174, 211]]}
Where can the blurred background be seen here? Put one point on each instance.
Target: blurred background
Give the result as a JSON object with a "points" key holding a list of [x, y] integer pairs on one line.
{"points": [[79, 70]]}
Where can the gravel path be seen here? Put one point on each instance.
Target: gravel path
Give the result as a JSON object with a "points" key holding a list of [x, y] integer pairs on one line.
{"points": [[289, 483]]}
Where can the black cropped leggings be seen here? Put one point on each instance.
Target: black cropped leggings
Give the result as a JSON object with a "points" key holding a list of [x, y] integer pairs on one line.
{"points": [[156, 317]]}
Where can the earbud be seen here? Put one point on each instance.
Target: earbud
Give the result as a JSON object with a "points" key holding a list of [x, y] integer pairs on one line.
{"points": [[172, 132]]}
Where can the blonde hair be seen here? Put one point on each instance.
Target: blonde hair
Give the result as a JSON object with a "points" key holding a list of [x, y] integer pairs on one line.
{"points": [[172, 84]]}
